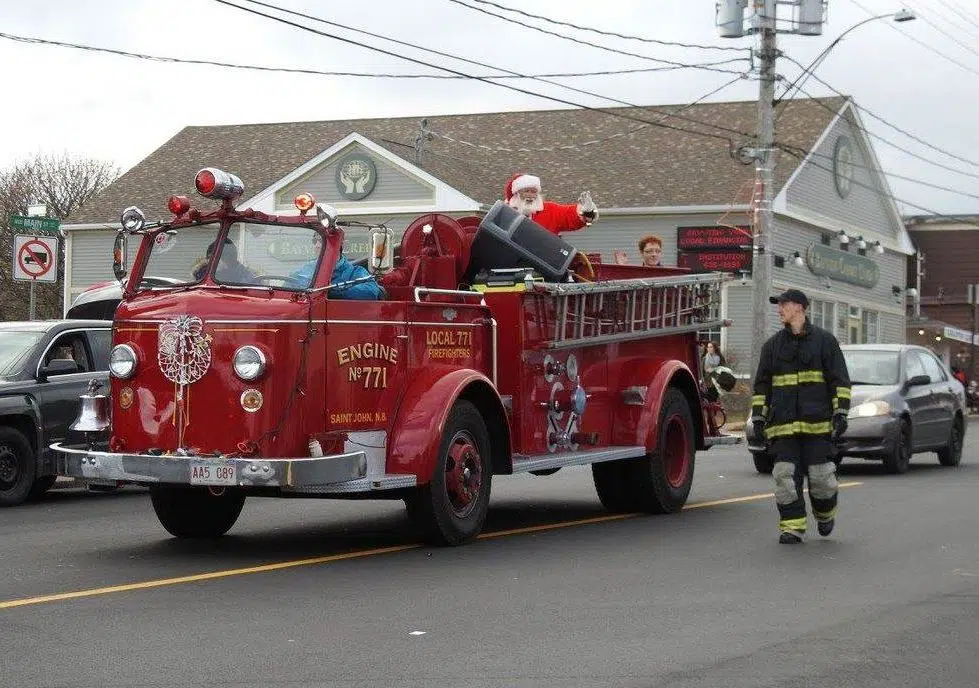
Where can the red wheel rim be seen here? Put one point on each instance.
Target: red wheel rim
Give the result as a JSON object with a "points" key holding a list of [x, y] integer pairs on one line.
{"points": [[463, 474], [676, 451]]}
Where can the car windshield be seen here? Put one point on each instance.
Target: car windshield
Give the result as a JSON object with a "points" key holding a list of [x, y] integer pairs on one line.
{"points": [[258, 255], [14, 347], [872, 367]]}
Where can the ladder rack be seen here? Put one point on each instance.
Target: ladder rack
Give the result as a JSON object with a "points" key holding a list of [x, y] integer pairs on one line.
{"points": [[588, 313]]}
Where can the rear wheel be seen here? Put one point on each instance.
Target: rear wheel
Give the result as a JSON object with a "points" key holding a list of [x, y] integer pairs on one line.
{"points": [[196, 512], [17, 467], [451, 508], [951, 453], [899, 460], [660, 481]]}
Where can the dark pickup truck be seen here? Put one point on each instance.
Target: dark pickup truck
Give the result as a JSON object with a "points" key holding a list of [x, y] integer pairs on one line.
{"points": [[45, 365]]}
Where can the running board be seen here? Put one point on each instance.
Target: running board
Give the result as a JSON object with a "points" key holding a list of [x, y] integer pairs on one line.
{"points": [[722, 440], [536, 462]]}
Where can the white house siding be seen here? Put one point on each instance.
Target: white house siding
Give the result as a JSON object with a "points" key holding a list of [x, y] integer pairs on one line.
{"points": [[865, 208], [394, 187], [89, 259]]}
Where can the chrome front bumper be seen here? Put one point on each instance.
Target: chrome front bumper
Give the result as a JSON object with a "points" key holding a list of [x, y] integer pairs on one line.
{"points": [[337, 474]]}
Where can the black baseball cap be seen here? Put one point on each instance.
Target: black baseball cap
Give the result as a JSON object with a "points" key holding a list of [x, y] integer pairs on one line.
{"points": [[793, 295]]}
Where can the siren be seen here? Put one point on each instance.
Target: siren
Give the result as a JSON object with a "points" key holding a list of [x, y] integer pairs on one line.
{"points": [[214, 183]]}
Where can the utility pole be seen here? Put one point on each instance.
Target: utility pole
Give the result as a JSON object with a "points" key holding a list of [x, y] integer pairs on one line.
{"points": [[807, 20], [767, 53]]}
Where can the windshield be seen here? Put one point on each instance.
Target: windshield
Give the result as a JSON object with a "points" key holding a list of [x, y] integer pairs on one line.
{"points": [[870, 367], [14, 347], [251, 255]]}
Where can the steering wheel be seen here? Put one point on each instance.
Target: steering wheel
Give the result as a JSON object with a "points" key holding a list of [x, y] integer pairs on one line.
{"points": [[292, 281]]}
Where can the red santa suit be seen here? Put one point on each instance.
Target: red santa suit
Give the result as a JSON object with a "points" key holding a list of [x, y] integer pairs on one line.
{"points": [[554, 217]]}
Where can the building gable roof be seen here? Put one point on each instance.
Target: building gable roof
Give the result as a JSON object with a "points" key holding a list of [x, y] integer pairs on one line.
{"points": [[623, 163]]}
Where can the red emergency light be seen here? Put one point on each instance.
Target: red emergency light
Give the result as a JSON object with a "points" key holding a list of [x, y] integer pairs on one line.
{"points": [[214, 183], [304, 202], [178, 205]]}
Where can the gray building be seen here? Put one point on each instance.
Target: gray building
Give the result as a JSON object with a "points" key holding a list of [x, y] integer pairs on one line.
{"points": [[837, 233]]}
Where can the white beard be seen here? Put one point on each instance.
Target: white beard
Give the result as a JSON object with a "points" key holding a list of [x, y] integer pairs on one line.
{"points": [[528, 208]]}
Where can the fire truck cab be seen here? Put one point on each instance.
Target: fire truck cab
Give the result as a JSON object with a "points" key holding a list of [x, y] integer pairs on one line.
{"points": [[251, 358]]}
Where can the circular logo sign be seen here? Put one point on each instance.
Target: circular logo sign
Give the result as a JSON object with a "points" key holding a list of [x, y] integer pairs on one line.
{"points": [[843, 166], [356, 177]]}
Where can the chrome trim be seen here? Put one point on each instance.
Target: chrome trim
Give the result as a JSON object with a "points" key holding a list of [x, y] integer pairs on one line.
{"points": [[292, 474], [132, 352], [495, 345], [722, 440], [389, 481], [568, 288], [523, 463], [634, 396]]}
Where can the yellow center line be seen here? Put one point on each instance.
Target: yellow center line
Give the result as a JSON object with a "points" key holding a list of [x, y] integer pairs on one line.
{"points": [[265, 568]]}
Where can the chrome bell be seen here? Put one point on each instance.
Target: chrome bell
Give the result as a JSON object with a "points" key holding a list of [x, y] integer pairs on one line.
{"points": [[95, 411]]}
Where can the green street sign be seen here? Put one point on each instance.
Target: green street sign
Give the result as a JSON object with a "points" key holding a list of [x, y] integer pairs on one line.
{"points": [[34, 224]]}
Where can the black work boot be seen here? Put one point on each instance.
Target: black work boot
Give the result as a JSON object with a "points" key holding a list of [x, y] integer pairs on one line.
{"points": [[826, 527], [790, 537]]}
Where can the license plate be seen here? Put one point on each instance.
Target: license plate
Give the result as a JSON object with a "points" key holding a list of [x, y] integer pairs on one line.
{"points": [[213, 473]]}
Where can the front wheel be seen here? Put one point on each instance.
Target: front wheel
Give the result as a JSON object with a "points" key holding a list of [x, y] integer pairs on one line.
{"points": [[951, 453], [451, 508], [196, 512], [899, 460], [660, 482], [17, 467]]}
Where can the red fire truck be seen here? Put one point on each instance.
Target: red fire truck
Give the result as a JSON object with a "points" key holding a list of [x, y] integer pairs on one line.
{"points": [[242, 367]]}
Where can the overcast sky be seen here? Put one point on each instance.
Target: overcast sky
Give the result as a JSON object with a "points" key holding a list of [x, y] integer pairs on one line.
{"points": [[121, 109]]}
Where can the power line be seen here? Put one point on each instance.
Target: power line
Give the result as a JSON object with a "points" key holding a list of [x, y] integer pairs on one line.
{"points": [[317, 72], [600, 32], [584, 144], [350, 41], [894, 127], [957, 23], [962, 13], [580, 41], [922, 43], [955, 40]]}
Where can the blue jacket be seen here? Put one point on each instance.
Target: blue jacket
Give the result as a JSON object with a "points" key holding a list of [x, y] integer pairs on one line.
{"points": [[344, 271]]}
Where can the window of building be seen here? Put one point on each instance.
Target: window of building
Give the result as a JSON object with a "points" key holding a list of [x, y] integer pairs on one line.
{"points": [[842, 323], [871, 327], [821, 314]]}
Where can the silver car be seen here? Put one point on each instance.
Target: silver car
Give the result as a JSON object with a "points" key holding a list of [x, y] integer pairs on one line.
{"points": [[905, 401]]}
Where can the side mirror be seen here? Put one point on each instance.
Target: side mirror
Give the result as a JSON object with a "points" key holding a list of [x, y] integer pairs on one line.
{"points": [[327, 215], [917, 381], [58, 366], [120, 257], [382, 251]]}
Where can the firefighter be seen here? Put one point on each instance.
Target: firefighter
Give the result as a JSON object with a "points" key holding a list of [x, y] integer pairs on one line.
{"points": [[800, 405]]}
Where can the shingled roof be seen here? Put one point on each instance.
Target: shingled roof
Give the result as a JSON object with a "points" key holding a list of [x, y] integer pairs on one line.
{"points": [[624, 163]]}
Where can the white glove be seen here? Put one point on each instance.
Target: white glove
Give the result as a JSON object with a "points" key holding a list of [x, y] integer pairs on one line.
{"points": [[587, 208]]}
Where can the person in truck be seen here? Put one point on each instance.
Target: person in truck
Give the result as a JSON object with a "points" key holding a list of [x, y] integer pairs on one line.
{"points": [[343, 271], [229, 268], [800, 405], [651, 250], [523, 193]]}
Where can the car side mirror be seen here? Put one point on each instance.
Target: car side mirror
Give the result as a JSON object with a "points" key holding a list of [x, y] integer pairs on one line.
{"points": [[917, 381], [58, 366]]}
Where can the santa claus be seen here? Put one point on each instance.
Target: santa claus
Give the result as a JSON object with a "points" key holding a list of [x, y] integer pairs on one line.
{"points": [[523, 193]]}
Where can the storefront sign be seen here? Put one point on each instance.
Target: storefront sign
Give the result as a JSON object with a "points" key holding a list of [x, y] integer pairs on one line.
{"points": [[715, 261], [698, 238], [959, 335], [842, 265]]}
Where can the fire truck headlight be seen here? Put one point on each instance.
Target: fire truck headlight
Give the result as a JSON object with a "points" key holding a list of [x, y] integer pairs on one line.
{"points": [[249, 363], [122, 361]]}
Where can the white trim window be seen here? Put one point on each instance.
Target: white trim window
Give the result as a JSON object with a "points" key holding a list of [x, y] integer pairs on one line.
{"points": [[871, 327], [843, 323], [821, 314]]}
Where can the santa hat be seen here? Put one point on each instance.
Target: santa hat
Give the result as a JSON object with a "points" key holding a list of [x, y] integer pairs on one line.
{"points": [[519, 182]]}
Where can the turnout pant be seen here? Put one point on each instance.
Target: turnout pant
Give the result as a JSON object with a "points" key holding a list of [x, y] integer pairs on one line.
{"points": [[795, 458]]}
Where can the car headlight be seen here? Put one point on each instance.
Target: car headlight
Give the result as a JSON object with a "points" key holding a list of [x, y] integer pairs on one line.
{"points": [[870, 409], [122, 361], [249, 363]]}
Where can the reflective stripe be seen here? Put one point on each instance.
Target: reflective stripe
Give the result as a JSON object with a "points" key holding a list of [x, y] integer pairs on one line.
{"points": [[800, 378], [843, 392], [797, 525], [836, 403], [798, 427], [758, 400], [826, 515]]}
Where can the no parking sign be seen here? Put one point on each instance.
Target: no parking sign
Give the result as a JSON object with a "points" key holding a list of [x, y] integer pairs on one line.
{"points": [[35, 258]]}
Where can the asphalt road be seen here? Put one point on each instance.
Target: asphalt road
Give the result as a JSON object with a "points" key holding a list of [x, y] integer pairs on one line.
{"points": [[324, 593]]}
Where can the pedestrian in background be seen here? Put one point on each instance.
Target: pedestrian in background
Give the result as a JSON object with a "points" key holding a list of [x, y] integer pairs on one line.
{"points": [[800, 404]]}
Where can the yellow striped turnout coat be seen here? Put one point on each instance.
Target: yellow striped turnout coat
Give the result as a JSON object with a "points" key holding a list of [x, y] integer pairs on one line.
{"points": [[801, 381]]}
